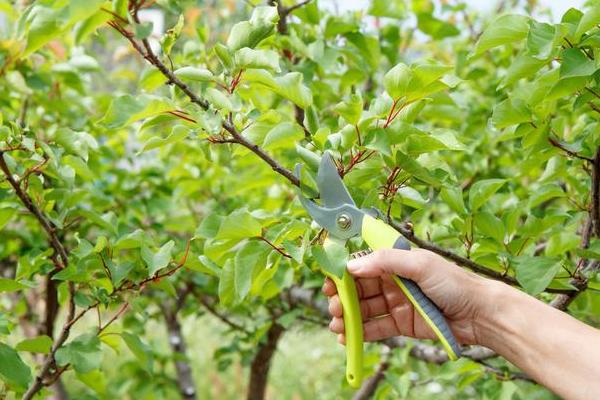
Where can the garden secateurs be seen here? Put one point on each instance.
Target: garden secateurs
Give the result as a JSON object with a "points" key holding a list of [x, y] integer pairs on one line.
{"points": [[342, 219]]}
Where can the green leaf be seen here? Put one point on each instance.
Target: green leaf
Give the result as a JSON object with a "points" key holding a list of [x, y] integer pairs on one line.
{"points": [[38, 344], [251, 33], [332, 258], [168, 40], [350, 110], [85, 28], [396, 80], [140, 350], [482, 190], [576, 64], [13, 370], [194, 74], [178, 133], [590, 19], [83, 353], [506, 29], [160, 259], [96, 380], [540, 39], [227, 283], [435, 27], [46, 23], [389, 9], [224, 55], [285, 134], [218, 99], [79, 166], [521, 67], [239, 225], [544, 194], [209, 227], [289, 86], [510, 112], [244, 262], [9, 285], [378, 139], [143, 30], [311, 159], [127, 109], [489, 225], [415, 169], [560, 243], [535, 273], [6, 215], [453, 197], [249, 58], [131, 240]]}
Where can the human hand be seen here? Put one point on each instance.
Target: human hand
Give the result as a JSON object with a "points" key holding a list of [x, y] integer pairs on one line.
{"points": [[461, 295]]}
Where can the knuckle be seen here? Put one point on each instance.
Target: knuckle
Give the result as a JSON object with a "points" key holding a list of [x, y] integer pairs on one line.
{"points": [[382, 256]]}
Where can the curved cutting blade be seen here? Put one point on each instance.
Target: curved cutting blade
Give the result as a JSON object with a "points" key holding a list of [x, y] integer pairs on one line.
{"points": [[332, 190], [327, 217]]}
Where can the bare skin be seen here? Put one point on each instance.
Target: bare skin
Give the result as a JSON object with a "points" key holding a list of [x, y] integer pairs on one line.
{"points": [[552, 347]]}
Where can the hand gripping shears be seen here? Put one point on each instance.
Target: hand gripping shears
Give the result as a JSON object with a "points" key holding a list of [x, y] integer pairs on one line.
{"points": [[342, 219]]}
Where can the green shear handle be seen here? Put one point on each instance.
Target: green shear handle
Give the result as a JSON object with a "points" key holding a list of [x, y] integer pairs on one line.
{"points": [[378, 235]]}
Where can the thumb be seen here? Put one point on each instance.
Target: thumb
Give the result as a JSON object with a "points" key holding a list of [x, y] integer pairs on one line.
{"points": [[406, 263]]}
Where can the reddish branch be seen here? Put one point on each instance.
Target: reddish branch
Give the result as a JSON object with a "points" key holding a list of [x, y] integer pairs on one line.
{"points": [[118, 314], [355, 159], [182, 115], [276, 248]]}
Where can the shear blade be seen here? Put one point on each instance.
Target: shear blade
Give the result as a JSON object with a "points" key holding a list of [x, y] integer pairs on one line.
{"points": [[331, 187]]}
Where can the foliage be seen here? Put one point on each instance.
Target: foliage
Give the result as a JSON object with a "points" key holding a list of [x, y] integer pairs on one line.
{"points": [[147, 181]]}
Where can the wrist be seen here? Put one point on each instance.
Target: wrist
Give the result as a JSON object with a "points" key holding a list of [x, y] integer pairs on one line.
{"points": [[498, 318]]}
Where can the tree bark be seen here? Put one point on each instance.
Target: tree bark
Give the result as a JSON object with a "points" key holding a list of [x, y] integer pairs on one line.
{"points": [[259, 370], [185, 381]]}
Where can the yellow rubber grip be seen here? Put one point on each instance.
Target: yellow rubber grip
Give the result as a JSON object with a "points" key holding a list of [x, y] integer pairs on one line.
{"points": [[379, 235], [346, 289]]}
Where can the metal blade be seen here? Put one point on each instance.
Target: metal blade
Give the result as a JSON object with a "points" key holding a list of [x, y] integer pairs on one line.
{"points": [[327, 217], [331, 187]]}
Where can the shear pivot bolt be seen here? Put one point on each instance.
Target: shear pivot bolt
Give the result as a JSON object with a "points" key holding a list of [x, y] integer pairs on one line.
{"points": [[344, 221]]}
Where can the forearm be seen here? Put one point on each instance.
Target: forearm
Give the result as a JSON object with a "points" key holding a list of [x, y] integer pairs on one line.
{"points": [[553, 348]]}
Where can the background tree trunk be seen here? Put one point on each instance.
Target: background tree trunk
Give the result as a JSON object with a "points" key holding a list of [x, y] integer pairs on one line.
{"points": [[185, 381], [259, 370]]}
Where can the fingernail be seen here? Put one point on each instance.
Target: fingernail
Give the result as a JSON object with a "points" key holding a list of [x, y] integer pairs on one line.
{"points": [[354, 265]]}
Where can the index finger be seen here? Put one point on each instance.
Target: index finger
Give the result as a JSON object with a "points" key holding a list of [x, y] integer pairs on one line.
{"points": [[329, 288]]}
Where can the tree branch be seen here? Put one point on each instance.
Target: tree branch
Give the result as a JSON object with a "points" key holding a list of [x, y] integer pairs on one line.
{"points": [[46, 224], [149, 55], [369, 386], [590, 228], [409, 234], [238, 138], [206, 302], [38, 382]]}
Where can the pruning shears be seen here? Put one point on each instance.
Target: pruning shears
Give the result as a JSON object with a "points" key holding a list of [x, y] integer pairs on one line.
{"points": [[342, 219]]}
